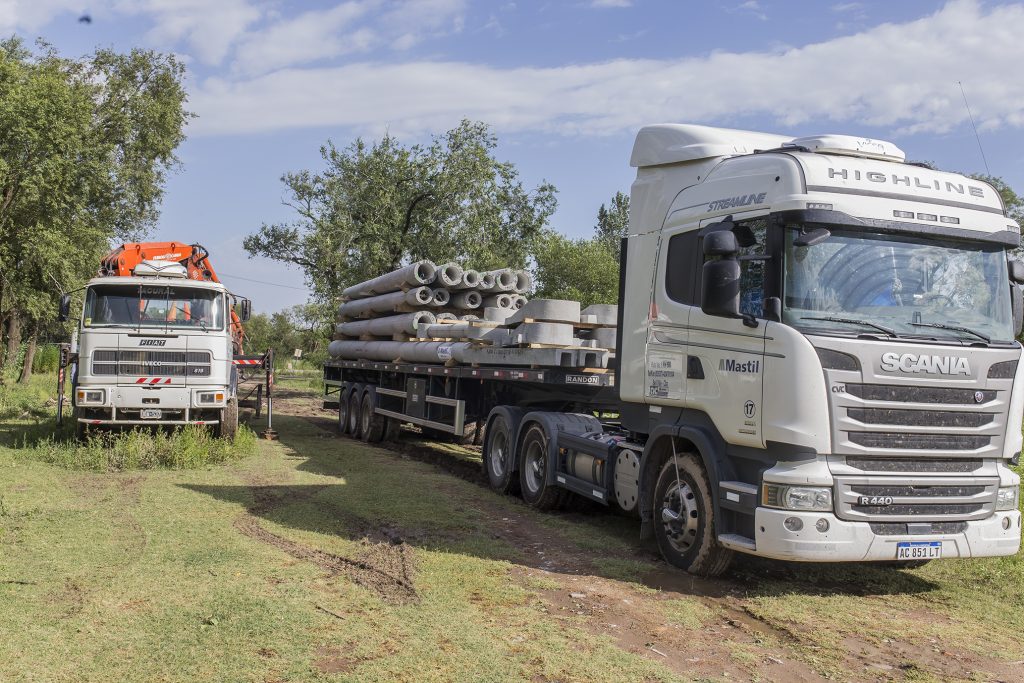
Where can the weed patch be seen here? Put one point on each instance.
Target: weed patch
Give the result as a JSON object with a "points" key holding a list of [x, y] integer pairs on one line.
{"points": [[189, 448]]}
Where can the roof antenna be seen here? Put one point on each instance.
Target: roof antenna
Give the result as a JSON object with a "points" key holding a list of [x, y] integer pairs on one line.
{"points": [[976, 136]]}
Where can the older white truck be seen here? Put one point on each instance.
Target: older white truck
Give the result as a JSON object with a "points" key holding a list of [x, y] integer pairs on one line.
{"points": [[816, 361], [157, 343]]}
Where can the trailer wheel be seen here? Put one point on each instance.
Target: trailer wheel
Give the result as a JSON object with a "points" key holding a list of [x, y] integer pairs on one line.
{"points": [[372, 425], [355, 400], [684, 519], [533, 470], [343, 410], [499, 456]]}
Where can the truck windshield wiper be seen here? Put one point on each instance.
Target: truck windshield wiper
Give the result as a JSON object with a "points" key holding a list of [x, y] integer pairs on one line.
{"points": [[853, 321], [956, 328]]}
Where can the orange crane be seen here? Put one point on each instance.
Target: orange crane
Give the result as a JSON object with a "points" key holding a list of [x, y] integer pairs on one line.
{"points": [[121, 262]]}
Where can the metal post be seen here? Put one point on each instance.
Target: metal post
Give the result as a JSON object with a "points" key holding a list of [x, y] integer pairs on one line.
{"points": [[268, 363], [65, 352]]}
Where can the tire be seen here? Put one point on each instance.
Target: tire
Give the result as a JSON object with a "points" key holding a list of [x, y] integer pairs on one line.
{"points": [[229, 420], [343, 411], [371, 424], [533, 469], [499, 456], [355, 401], [684, 519]]}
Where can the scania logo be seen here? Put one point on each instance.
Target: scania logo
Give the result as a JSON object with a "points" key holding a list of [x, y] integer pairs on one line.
{"points": [[934, 365]]}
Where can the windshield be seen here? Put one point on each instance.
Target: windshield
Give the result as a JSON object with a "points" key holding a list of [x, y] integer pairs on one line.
{"points": [[901, 285], [149, 306]]}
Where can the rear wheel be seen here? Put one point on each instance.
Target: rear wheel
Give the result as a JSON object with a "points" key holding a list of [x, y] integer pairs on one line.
{"points": [[499, 456], [684, 518], [343, 411], [81, 433], [372, 425], [533, 470], [355, 401]]}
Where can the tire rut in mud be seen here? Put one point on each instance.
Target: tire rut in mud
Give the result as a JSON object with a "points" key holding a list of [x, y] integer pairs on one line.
{"points": [[384, 565]]}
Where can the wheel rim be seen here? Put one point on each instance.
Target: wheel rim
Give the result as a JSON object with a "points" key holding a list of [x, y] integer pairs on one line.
{"points": [[534, 463], [353, 416], [366, 415], [497, 453], [680, 517]]}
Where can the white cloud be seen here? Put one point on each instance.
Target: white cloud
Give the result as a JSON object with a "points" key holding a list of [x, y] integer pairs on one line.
{"points": [[611, 3], [208, 28], [34, 14], [893, 76], [307, 37]]}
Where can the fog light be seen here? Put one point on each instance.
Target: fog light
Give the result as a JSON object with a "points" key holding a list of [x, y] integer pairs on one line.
{"points": [[1006, 523], [793, 523], [821, 525]]}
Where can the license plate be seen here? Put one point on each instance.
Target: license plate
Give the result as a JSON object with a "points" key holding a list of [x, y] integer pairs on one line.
{"points": [[925, 550], [152, 413]]}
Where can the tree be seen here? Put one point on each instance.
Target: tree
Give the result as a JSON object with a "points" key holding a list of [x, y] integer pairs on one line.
{"points": [[1013, 202], [378, 206], [613, 222], [85, 146], [585, 270]]}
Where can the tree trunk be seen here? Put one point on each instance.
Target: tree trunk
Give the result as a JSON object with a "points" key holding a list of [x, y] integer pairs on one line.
{"points": [[13, 338], [30, 354]]}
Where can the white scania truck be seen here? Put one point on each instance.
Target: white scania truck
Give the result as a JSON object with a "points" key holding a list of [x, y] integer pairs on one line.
{"points": [[156, 343], [816, 361]]}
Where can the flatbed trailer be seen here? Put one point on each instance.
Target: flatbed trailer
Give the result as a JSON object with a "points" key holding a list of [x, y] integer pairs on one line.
{"points": [[373, 399]]}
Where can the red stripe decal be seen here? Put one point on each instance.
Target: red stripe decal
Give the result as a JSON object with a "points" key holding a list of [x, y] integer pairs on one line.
{"points": [[141, 380], [154, 380], [167, 381]]}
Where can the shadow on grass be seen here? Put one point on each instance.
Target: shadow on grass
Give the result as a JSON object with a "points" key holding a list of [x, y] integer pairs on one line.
{"points": [[386, 499]]}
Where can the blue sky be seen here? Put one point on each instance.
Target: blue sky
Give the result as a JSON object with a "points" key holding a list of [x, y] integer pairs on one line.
{"points": [[564, 84]]}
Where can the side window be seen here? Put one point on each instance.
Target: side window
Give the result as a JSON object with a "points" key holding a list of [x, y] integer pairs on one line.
{"points": [[752, 272], [682, 268]]}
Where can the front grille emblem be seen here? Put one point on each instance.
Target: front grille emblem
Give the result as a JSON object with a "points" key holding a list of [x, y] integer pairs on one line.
{"points": [[979, 396]]}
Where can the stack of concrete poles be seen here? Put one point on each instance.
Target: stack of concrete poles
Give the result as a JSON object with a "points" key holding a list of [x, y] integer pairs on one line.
{"points": [[444, 314], [396, 305]]}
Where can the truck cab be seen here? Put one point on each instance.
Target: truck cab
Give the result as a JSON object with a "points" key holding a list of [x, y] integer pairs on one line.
{"points": [[155, 348], [828, 334]]}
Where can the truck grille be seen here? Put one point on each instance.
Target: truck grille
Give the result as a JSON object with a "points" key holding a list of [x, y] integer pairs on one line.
{"points": [[919, 418], [901, 465], [939, 499], [152, 363], [918, 394], [911, 441]]}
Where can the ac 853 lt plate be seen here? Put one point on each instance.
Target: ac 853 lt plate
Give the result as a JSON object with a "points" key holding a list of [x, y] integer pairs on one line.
{"points": [[922, 550]]}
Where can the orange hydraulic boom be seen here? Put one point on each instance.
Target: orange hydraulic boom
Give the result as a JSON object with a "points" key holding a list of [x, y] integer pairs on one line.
{"points": [[121, 262]]}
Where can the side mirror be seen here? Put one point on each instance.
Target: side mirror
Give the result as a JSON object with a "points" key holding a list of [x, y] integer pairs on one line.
{"points": [[1016, 271], [721, 243], [64, 309], [809, 239], [245, 310], [720, 286]]}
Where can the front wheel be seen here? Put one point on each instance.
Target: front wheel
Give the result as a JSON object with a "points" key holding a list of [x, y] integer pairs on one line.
{"points": [[684, 518], [229, 420]]}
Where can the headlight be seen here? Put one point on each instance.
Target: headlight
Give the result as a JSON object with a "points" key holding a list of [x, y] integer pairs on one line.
{"points": [[209, 398], [90, 396], [797, 497], [1007, 498]]}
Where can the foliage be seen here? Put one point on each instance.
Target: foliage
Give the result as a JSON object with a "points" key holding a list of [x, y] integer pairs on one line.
{"points": [[299, 327], [613, 222], [1013, 203], [188, 448], [583, 270], [47, 359], [586, 270], [85, 146], [377, 206]]}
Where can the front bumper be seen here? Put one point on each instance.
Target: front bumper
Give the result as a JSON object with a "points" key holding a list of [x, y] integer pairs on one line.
{"points": [[855, 541]]}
